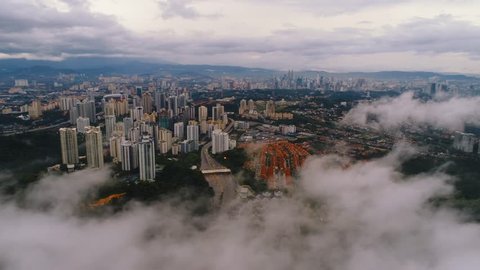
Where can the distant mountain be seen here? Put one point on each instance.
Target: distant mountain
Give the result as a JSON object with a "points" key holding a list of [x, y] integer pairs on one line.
{"points": [[110, 66], [95, 66], [395, 75]]}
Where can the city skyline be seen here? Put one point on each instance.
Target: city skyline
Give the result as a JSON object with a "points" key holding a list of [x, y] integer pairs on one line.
{"points": [[342, 36]]}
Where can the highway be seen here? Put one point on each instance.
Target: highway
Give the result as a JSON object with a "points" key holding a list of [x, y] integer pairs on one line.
{"points": [[218, 176], [36, 129]]}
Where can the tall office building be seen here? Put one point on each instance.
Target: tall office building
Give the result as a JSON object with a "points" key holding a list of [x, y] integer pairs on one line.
{"points": [[138, 90], [251, 105], [160, 100], [146, 158], [164, 139], [66, 103], [220, 141], [69, 145], [178, 130], [147, 103], [243, 107], [173, 104], [134, 134], [127, 125], [146, 128], [203, 127], [270, 108], [202, 114], [192, 113], [137, 113], [119, 130], [217, 112], [121, 107], [164, 121], [187, 146], [86, 108], [109, 107], [35, 109], [192, 133], [93, 144], [224, 119], [110, 123], [115, 143], [182, 101], [73, 113], [129, 152], [82, 124]]}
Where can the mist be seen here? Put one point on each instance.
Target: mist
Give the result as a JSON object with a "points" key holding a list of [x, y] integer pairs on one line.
{"points": [[343, 216], [392, 113]]}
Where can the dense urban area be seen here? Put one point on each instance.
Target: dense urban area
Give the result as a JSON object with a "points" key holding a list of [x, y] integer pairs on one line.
{"points": [[218, 138]]}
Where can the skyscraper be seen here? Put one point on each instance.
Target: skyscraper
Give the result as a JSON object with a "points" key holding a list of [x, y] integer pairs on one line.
{"points": [[270, 108], [182, 101], [138, 90], [202, 114], [73, 113], [66, 103], [82, 123], [69, 145], [220, 141], [93, 144], [243, 107], [192, 133], [146, 158], [129, 152], [137, 113], [86, 108], [109, 107], [127, 125], [35, 109], [115, 143], [110, 122], [160, 100], [217, 112], [164, 139], [178, 130], [173, 104], [147, 103], [251, 105]]}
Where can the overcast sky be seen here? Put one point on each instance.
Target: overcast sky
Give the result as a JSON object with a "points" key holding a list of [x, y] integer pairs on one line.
{"points": [[340, 35]]}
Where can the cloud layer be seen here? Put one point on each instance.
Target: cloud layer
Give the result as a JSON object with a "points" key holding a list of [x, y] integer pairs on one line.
{"points": [[361, 216], [310, 35], [393, 113]]}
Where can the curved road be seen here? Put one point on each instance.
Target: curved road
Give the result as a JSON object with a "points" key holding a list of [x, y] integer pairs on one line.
{"points": [[223, 183]]}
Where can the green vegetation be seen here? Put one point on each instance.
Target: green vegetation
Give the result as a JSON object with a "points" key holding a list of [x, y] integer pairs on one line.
{"points": [[25, 157], [235, 160], [177, 181], [466, 173]]}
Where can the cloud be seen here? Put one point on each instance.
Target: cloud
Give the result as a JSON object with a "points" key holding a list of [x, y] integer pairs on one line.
{"points": [[362, 216], [393, 113], [329, 8], [179, 8], [78, 32]]}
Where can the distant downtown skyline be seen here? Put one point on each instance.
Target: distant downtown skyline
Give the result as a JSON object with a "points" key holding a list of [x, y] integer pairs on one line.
{"points": [[342, 35]]}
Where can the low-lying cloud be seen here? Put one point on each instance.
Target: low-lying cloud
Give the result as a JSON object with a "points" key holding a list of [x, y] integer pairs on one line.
{"points": [[344, 216], [393, 113]]}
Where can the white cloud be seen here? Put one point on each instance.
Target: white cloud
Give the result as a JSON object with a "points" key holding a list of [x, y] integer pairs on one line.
{"points": [[425, 35], [363, 216], [392, 113]]}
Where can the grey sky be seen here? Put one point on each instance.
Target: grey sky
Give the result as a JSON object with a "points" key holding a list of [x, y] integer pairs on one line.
{"points": [[338, 35]]}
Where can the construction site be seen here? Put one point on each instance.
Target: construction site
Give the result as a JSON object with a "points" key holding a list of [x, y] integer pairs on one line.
{"points": [[277, 163]]}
